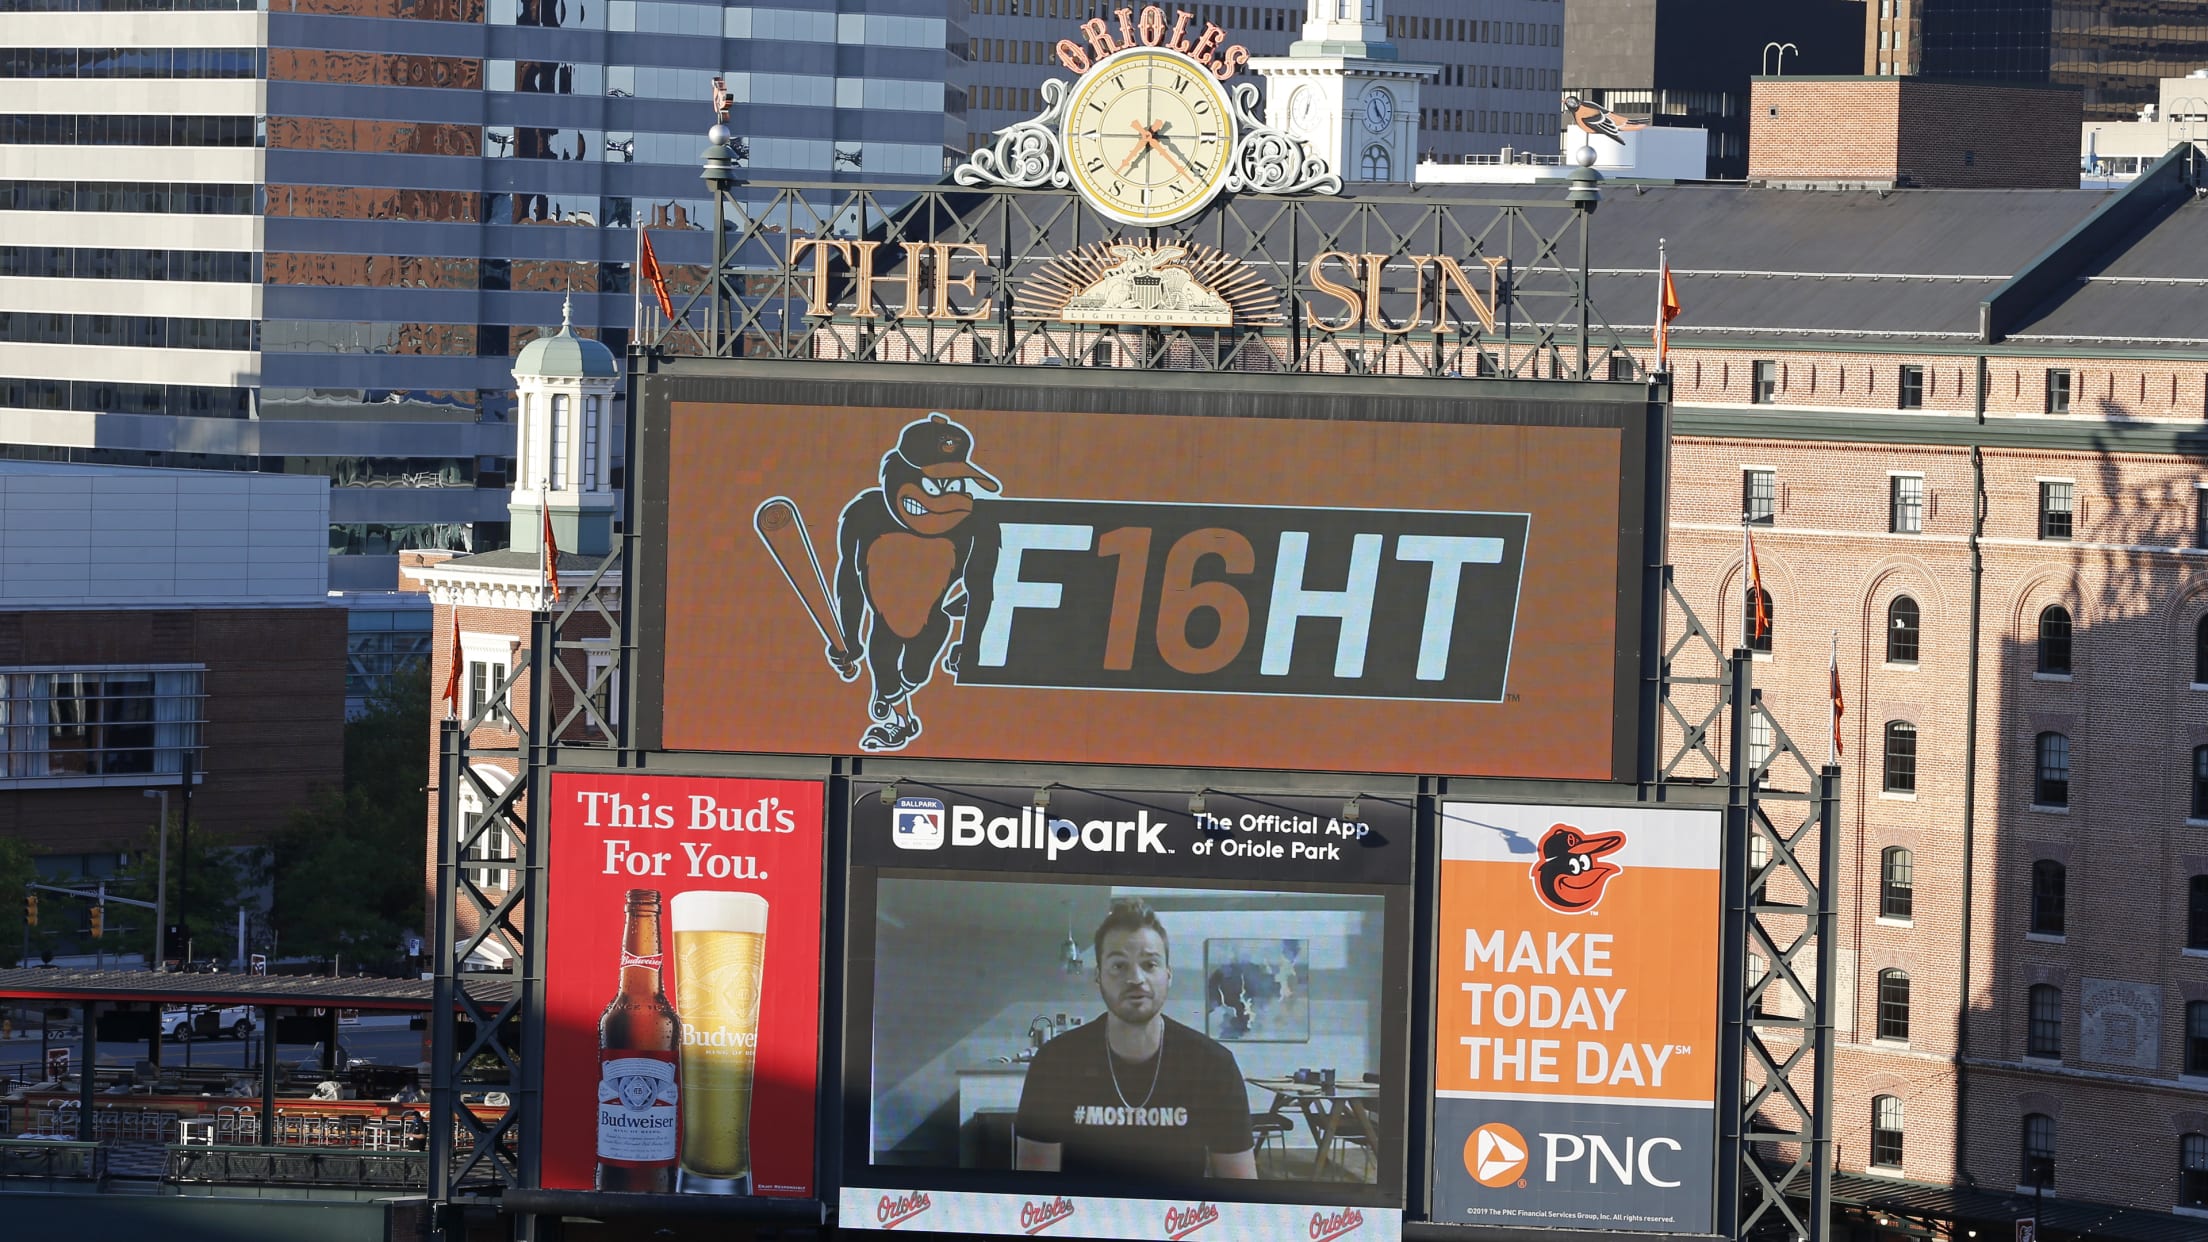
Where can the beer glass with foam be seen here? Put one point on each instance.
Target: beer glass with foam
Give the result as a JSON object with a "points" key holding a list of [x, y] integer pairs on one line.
{"points": [[720, 949]]}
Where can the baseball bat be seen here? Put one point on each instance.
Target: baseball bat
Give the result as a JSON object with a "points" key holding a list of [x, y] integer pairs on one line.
{"points": [[782, 529]]}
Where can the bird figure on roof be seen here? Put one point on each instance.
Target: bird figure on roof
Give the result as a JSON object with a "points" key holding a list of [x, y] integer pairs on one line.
{"points": [[1596, 119]]}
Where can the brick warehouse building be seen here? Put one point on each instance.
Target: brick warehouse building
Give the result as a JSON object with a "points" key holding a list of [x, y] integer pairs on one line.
{"points": [[2020, 1000]]}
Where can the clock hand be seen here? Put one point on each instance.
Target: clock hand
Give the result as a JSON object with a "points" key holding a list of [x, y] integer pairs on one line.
{"points": [[1168, 154], [1144, 139]]}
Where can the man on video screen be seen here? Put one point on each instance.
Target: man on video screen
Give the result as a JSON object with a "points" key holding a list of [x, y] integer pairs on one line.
{"points": [[1136, 1092]]}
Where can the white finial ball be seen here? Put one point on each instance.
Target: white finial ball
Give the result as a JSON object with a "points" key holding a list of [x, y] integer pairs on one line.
{"points": [[718, 135], [1585, 156]]}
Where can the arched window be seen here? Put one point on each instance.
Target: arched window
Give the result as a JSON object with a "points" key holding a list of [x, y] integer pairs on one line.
{"points": [[2039, 1151], [2051, 772], [2196, 912], [1755, 636], [1903, 623], [2043, 1021], [2050, 897], [1901, 757], [2054, 640], [2192, 1170], [1897, 884], [2200, 652], [1893, 1005], [1886, 1121], [2200, 782], [1377, 165], [2196, 1037]]}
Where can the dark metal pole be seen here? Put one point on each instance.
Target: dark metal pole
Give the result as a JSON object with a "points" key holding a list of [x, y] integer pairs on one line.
{"points": [[444, 1085], [184, 866], [1828, 968], [269, 1017], [89, 1072], [1732, 947], [1655, 581], [1586, 287], [537, 788]]}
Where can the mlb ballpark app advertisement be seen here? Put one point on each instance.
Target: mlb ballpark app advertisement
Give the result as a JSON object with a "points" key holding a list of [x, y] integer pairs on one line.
{"points": [[1060, 1001], [694, 904], [1002, 585], [1576, 1017]]}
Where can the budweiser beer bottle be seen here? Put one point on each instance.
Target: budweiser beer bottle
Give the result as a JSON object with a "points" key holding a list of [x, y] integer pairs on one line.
{"points": [[639, 1117]]}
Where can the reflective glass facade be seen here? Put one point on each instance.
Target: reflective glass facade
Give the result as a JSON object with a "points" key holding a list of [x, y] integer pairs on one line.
{"points": [[2115, 51]]}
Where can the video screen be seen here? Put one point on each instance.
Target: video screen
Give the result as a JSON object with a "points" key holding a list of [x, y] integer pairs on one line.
{"points": [[1161, 1033]]}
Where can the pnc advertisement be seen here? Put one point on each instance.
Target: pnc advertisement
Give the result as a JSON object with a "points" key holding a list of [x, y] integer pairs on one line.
{"points": [[683, 1000], [1011, 585], [1576, 1017]]}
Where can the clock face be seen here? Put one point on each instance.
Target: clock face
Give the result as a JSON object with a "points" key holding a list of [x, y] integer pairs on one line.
{"points": [[1303, 111], [1148, 136], [1379, 109]]}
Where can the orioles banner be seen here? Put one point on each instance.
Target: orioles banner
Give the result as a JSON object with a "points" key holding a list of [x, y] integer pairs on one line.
{"points": [[1576, 1014]]}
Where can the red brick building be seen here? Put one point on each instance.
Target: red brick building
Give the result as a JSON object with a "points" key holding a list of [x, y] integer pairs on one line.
{"points": [[1913, 132]]}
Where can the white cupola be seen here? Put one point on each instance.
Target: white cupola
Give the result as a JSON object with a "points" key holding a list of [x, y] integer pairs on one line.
{"points": [[564, 445], [1343, 91]]}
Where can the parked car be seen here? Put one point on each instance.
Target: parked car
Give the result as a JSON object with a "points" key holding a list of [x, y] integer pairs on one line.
{"points": [[207, 1022]]}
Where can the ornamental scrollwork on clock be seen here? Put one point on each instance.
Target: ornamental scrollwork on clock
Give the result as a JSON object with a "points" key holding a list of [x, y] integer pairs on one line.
{"points": [[1026, 155], [1270, 161]]}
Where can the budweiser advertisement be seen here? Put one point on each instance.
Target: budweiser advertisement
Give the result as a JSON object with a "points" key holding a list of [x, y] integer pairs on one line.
{"points": [[683, 1033], [1439, 592], [1576, 1022], [1058, 1216], [1055, 1002]]}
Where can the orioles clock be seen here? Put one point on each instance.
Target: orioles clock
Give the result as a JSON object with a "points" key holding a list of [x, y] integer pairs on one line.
{"points": [[1148, 136]]}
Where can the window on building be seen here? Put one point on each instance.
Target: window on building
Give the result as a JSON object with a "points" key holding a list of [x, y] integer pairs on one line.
{"points": [[2054, 639], [1759, 493], [1377, 166], [1903, 630], [2200, 517], [1766, 382], [2050, 897], [496, 844], [484, 676], [1912, 388], [1905, 504], [1758, 638], [99, 725], [1622, 367], [1893, 1005], [2051, 772], [2196, 1037], [594, 439], [2058, 390], [2039, 1151], [2200, 652], [2043, 1021], [2192, 1170], [1886, 1131], [1897, 884], [1761, 742], [556, 469], [2057, 506], [1901, 757], [2196, 912]]}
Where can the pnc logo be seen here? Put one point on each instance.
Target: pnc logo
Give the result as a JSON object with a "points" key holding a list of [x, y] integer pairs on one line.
{"points": [[1496, 1155], [1572, 873]]}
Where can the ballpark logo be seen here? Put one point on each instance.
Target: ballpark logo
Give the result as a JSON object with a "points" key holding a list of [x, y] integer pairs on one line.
{"points": [[1329, 1225], [1181, 1222], [1496, 1156], [1573, 873], [895, 1210], [936, 569], [917, 824], [1036, 1217]]}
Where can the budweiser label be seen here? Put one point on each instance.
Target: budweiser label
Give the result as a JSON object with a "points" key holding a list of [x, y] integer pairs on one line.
{"points": [[638, 1111], [650, 961]]}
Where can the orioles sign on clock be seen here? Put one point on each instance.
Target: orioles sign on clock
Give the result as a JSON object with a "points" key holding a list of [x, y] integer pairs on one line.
{"points": [[1148, 136]]}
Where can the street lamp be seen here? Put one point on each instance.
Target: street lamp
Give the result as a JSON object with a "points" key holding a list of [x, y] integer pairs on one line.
{"points": [[161, 884], [1584, 195]]}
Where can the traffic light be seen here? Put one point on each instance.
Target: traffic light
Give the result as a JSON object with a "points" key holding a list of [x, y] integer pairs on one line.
{"points": [[99, 921], [30, 909]]}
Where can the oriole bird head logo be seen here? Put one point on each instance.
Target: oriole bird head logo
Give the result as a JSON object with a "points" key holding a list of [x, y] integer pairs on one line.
{"points": [[1571, 876]]}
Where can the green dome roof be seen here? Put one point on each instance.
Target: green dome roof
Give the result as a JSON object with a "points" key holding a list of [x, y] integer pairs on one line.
{"points": [[564, 355]]}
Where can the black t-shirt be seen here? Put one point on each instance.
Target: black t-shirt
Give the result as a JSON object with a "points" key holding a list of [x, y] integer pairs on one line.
{"points": [[1199, 1105]]}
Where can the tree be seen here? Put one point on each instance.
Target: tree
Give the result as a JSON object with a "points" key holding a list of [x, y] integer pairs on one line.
{"points": [[348, 867], [16, 870], [219, 874]]}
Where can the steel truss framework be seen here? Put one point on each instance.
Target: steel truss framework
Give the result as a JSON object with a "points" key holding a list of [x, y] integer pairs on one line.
{"points": [[1712, 730]]}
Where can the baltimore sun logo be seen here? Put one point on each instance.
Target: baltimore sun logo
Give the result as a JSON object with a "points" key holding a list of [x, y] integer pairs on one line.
{"points": [[1572, 873], [1496, 1155]]}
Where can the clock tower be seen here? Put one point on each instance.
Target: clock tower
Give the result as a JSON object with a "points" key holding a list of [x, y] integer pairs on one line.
{"points": [[1343, 91]]}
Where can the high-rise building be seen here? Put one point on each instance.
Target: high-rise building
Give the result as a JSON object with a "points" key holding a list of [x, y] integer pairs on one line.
{"points": [[1500, 61], [310, 240], [1668, 62], [2116, 52]]}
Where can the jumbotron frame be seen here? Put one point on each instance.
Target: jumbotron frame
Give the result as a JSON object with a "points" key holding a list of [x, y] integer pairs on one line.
{"points": [[1701, 714]]}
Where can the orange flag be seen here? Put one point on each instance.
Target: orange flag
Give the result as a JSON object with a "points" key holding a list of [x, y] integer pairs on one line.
{"points": [[453, 669], [649, 270], [551, 553], [1760, 623], [1667, 309], [1839, 708]]}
